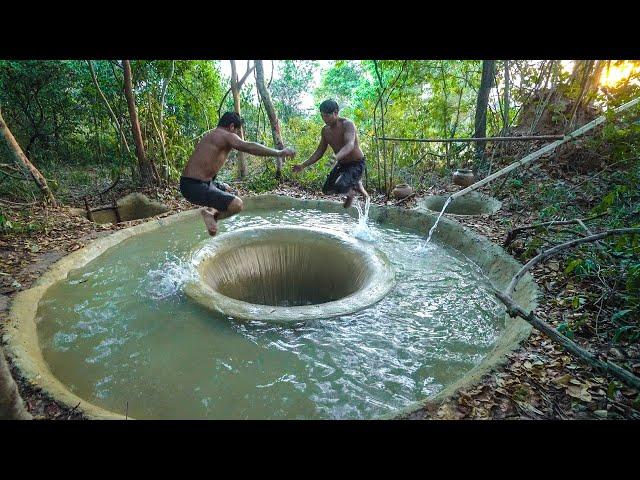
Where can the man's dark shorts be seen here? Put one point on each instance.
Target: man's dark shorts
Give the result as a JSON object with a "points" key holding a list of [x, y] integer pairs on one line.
{"points": [[207, 194], [344, 176]]}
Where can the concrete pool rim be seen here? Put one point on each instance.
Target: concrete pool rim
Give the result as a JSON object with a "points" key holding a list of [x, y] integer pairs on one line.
{"points": [[20, 332]]}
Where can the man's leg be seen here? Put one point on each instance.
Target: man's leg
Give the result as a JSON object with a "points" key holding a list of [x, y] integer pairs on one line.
{"points": [[330, 183], [234, 208], [362, 190], [351, 193], [350, 183], [209, 217]]}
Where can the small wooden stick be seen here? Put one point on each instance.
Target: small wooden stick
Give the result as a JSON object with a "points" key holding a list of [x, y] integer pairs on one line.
{"points": [[404, 199], [511, 236]]}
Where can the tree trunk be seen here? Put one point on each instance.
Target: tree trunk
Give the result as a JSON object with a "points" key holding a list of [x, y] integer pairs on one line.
{"points": [[117, 125], [381, 91], [22, 158], [162, 99], [11, 404], [241, 171], [592, 88], [583, 71], [486, 82], [144, 167], [271, 113], [507, 86]]}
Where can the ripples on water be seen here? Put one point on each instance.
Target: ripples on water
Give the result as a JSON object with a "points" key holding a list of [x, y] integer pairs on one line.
{"points": [[121, 331]]}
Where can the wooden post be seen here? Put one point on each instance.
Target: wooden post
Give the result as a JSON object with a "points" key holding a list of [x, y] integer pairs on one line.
{"points": [[86, 206], [12, 406], [115, 208]]}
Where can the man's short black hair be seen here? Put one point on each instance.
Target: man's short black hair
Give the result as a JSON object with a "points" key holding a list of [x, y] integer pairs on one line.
{"points": [[230, 117], [329, 106]]}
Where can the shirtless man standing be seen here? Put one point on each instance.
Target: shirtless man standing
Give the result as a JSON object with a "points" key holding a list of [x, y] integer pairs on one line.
{"points": [[340, 133], [197, 183]]}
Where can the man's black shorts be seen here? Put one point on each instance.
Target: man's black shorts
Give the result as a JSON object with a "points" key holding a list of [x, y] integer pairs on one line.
{"points": [[344, 176], [207, 194]]}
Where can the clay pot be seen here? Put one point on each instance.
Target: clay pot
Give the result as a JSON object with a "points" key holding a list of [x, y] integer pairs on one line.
{"points": [[463, 177], [402, 191]]}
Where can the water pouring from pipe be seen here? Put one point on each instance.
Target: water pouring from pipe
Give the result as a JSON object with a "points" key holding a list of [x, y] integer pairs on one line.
{"points": [[446, 204]]}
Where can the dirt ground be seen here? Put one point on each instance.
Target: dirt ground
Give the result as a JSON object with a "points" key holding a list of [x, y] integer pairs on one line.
{"points": [[538, 380]]}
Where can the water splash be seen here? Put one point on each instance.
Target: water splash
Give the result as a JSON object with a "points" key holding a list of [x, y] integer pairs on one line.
{"points": [[446, 204], [167, 280], [423, 248], [362, 230]]}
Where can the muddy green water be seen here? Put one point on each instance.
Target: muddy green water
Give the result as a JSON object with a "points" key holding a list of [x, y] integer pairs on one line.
{"points": [[121, 333]]}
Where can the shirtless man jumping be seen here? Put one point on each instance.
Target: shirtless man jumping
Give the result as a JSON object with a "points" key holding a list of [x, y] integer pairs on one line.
{"points": [[341, 134], [197, 183]]}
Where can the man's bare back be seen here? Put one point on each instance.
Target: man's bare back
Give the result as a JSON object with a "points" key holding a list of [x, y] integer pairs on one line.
{"points": [[209, 156]]}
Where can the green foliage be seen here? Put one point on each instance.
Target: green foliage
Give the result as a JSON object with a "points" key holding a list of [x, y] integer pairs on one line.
{"points": [[533, 248], [54, 109], [56, 113], [5, 223], [549, 211], [342, 82], [621, 203], [286, 91], [565, 329], [19, 225], [264, 181], [516, 183], [304, 135], [58, 117]]}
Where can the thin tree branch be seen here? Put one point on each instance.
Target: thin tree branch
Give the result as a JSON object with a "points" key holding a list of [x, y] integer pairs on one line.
{"points": [[512, 234], [246, 74], [106, 102], [563, 246]]}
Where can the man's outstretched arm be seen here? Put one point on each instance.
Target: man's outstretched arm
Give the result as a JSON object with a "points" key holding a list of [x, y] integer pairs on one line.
{"points": [[315, 156], [258, 149]]}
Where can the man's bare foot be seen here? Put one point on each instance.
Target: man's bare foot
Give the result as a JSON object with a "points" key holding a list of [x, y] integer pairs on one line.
{"points": [[349, 200], [209, 215]]}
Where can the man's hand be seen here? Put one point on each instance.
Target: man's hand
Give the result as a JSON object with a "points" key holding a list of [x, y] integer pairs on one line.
{"points": [[288, 152], [297, 168]]}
